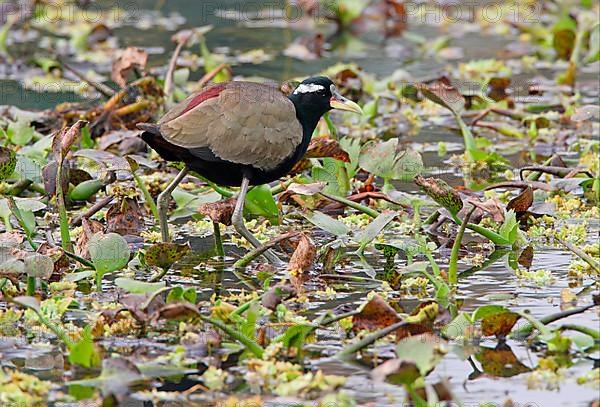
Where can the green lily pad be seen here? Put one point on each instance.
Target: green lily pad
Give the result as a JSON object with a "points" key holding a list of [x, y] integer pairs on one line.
{"points": [[138, 287], [384, 160], [108, 252]]}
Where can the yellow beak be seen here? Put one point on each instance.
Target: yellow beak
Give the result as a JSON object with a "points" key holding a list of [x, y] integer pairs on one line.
{"points": [[341, 103]]}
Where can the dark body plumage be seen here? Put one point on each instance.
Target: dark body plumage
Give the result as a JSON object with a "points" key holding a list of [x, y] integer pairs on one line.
{"points": [[241, 129]]}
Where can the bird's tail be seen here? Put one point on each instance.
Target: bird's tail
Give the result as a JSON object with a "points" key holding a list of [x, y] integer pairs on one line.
{"points": [[153, 137], [149, 127]]}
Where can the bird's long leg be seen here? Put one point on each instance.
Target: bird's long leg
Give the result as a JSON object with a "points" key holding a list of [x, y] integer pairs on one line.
{"points": [[238, 222], [163, 204]]}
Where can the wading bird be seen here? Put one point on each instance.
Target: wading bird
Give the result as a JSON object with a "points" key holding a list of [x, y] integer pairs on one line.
{"points": [[241, 134]]}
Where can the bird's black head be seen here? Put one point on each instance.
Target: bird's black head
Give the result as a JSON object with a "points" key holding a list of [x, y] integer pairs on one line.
{"points": [[316, 96]]}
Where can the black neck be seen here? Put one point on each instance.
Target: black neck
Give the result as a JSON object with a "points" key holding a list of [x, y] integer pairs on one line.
{"points": [[308, 114], [309, 117]]}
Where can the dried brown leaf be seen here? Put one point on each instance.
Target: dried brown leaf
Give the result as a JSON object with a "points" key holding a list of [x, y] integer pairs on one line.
{"points": [[219, 212], [124, 218], [130, 58], [302, 258], [522, 202], [376, 314]]}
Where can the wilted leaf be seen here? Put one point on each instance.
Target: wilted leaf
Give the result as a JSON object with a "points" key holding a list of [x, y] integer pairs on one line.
{"points": [[90, 228], [178, 311], [163, 255], [130, 58], [28, 302], [306, 189], [563, 43], [64, 140], [526, 257], [499, 324], [8, 162], [383, 160], [445, 94], [303, 257], [441, 192], [491, 206], [124, 217], [219, 212], [376, 314], [321, 147], [49, 177], [521, 202]]}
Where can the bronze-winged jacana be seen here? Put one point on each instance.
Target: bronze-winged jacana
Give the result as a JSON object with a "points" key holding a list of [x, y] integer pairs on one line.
{"points": [[241, 134]]}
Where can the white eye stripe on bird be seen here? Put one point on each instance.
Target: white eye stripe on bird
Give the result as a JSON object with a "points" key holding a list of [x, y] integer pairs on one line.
{"points": [[308, 88]]}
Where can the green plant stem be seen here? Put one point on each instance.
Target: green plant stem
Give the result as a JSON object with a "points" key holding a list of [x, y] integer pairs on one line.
{"points": [[244, 307], [488, 234], [526, 330], [282, 186], [221, 191], [583, 329], [98, 278], [65, 234], [453, 267], [468, 138], [251, 345], [160, 275], [81, 260], [330, 126], [254, 253], [434, 265], [218, 240], [31, 286], [17, 213], [349, 351], [580, 253], [53, 327], [361, 208], [147, 197]]}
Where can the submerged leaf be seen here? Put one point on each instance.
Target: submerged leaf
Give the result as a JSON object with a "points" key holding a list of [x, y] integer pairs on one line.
{"points": [[376, 314], [163, 255]]}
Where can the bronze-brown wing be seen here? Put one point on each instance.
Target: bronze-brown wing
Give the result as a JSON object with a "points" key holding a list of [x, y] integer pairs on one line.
{"points": [[241, 122]]}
